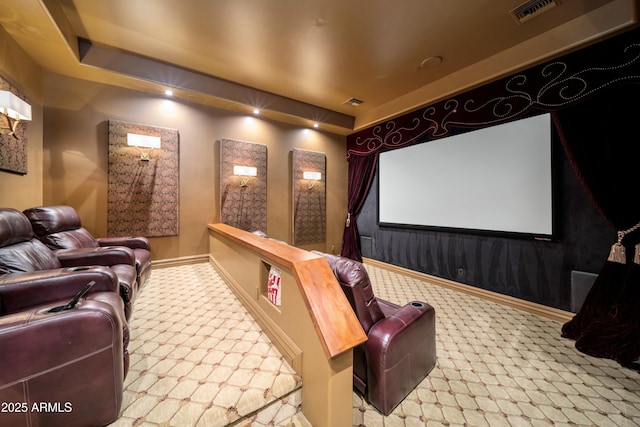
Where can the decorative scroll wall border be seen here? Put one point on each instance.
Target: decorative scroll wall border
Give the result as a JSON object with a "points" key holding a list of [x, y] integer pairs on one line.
{"points": [[13, 149], [143, 195], [243, 207], [309, 197], [546, 87]]}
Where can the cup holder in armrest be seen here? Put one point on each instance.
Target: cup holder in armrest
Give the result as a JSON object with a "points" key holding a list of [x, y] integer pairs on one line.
{"points": [[417, 304], [79, 268]]}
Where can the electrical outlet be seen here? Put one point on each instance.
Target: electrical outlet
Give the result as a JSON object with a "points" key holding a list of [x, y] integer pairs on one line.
{"points": [[460, 273]]}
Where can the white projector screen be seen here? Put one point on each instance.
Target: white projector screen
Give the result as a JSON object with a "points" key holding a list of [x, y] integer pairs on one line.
{"points": [[493, 179]]}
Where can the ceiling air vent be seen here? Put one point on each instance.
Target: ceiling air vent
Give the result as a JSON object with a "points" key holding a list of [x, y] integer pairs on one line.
{"points": [[353, 102], [532, 8]]}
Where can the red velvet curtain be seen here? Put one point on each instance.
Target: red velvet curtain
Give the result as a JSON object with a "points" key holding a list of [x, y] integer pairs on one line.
{"points": [[601, 142], [362, 169]]}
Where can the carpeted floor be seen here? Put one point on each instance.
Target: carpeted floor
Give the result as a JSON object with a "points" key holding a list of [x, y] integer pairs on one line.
{"points": [[498, 366], [197, 358]]}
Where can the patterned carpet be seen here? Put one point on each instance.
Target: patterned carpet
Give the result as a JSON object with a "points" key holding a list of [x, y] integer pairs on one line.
{"points": [[198, 359], [498, 366]]}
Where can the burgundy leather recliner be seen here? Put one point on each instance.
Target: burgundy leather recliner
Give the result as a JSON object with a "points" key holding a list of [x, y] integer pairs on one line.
{"points": [[401, 347], [60, 228], [63, 368]]}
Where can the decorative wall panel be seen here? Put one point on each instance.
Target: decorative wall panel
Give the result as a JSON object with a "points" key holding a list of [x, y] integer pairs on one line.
{"points": [[243, 197], [13, 148], [309, 197], [143, 182]]}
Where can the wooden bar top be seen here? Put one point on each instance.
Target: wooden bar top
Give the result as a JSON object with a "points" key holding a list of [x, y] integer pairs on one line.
{"points": [[335, 322]]}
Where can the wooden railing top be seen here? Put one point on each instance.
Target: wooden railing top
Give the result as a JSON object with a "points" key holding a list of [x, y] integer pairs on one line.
{"points": [[335, 322]]}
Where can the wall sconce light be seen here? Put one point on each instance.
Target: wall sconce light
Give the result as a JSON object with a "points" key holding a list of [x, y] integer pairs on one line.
{"points": [[312, 178], [15, 109], [143, 141], [244, 172]]}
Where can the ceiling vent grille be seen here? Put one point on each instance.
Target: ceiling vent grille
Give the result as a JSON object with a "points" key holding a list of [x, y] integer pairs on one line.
{"points": [[531, 9], [353, 102]]}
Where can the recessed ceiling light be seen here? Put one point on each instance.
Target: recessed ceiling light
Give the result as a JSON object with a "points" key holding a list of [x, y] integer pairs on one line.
{"points": [[168, 92], [256, 111], [316, 125]]}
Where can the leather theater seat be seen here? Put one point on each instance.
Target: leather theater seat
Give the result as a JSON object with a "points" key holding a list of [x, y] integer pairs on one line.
{"points": [[60, 228], [400, 350], [63, 368]]}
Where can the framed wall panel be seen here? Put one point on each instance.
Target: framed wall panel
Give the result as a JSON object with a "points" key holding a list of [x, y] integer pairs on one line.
{"points": [[13, 149], [309, 196], [144, 180], [243, 184]]}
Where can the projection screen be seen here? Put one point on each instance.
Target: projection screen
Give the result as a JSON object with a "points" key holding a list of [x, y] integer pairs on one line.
{"points": [[493, 179]]}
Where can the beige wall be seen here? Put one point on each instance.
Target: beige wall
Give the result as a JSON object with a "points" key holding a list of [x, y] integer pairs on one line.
{"points": [[75, 159], [23, 191]]}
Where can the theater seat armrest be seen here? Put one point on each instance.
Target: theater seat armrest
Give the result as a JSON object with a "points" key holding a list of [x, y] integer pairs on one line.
{"points": [[133, 242], [399, 334], [22, 290], [107, 256], [65, 338]]}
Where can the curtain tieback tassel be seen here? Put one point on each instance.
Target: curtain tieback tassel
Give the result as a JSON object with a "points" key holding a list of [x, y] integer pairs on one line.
{"points": [[618, 253], [636, 256], [348, 219]]}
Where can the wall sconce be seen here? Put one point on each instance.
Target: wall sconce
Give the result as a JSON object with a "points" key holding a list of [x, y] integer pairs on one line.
{"points": [[244, 172], [312, 178], [15, 109], [143, 141]]}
